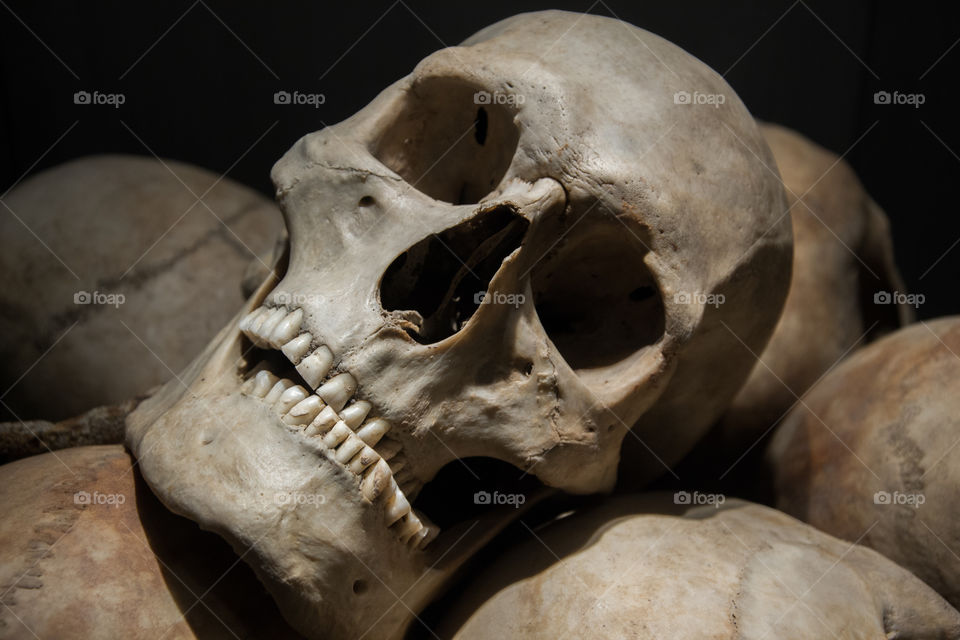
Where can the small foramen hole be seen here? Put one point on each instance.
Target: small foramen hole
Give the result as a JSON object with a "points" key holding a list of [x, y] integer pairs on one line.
{"points": [[642, 293], [366, 201], [359, 586], [480, 126]]}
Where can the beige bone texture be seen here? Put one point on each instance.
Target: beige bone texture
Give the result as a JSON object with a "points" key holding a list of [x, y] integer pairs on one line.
{"points": [[872, 452]]}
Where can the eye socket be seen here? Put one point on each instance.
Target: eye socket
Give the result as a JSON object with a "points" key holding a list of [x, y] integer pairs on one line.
{"points": [[444, 277], [450, 141], [596, 298]]}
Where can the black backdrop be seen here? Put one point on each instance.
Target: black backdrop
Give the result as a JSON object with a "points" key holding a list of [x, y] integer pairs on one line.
{"points": [[199, 76]]}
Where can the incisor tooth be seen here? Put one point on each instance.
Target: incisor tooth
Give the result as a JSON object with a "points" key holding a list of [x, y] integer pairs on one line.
{"points": [[336, 435], [348, 448], [338, 390], [286, 329], [315, 366], [375, 480], [297, 348], [397, 505], [262, 383], [277, 390], [362, 460], [304, 411], [322, 423], [355, 413], [373, 431], [290, 398]]}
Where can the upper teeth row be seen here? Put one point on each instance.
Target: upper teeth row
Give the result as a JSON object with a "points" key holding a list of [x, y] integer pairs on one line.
{"points": [[324, 418], [277, 328]]}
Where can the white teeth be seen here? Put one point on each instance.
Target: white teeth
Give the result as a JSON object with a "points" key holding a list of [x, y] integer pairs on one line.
{"points": [[337, 390], [269, 324], [357, 445], [375, 480], [362, 460], [397, 505], [297, 348], [262, 383], [304, 411], [388, 448], [249, 319], [290, 398], [350, 447], [322, 423], [277, 390], [286, 329], [336, 435], [315, 366], [373, 431], [355, 413]]}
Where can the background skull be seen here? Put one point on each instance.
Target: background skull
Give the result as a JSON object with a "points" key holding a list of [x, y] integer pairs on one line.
{"points": [[499, 257]]}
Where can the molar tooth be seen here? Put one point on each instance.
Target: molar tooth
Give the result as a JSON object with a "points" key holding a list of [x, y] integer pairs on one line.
{"points": [[338, 390], [425, 536], [286, 329], [336, 435], [277, 390], [297, 348], [304, 411], [362, 460], [315, 366], [373, 431], [376, 479], [266, 328], [349, 448], [249, 319], [388, 448], [355, 413], [397, 505], [290, 397], [260, 384], [416, 540], [408, 526], [322, 423]]}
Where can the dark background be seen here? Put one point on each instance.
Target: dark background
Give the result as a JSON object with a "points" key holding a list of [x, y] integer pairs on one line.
{"points": [[199, 78]]}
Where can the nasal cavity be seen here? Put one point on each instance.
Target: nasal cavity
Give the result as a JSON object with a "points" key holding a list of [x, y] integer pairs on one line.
{"points": [[444, 278]]}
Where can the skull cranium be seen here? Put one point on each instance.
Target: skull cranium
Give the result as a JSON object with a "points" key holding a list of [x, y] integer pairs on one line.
{"points": [[508, 254]]}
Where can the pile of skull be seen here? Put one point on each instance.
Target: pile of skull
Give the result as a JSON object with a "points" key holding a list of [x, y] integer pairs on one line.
{"points": [[539, 313]]}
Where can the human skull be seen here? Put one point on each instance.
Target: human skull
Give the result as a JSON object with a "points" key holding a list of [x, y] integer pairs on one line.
{"points": [[505, 255], [642, 566]]}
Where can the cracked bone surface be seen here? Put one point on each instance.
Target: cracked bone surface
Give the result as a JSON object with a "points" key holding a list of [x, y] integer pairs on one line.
{"points": [[872, 453], [642, 567], [504, 256]]}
